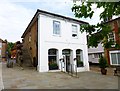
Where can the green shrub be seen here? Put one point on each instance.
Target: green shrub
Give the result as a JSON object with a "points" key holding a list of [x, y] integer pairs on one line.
{"points": [[53, 66], [103, 62], [79, 63]]}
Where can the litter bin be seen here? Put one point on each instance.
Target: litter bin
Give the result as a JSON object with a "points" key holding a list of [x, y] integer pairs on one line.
{"points": [[9, 63]]}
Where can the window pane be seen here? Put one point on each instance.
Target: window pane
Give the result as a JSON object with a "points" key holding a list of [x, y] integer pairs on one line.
{"points": [[74, 30], [111, 36], [52, 59], [78, 51], [113, 56], [118, 58], [56, 27], [79, 58], [97, 55], [66, 52], [52, 52]]}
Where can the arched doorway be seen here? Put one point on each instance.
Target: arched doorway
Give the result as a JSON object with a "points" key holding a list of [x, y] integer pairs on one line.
{"points": [[67, 53], [53, 59]]}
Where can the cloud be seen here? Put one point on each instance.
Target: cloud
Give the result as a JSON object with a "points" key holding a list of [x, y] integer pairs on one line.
{"points": [[14, 20], [15, 15]]}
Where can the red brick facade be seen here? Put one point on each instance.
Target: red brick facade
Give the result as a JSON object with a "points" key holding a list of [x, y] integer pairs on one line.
{"points": [[3, 49], [115, 24]]}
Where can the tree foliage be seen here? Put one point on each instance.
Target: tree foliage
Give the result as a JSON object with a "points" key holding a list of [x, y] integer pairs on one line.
{"points": [[10, 45], [97, 33], [103, 62]]}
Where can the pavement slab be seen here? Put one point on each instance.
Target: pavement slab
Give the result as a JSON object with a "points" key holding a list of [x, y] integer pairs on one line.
{"points": [[1, 80], [29, 78]]}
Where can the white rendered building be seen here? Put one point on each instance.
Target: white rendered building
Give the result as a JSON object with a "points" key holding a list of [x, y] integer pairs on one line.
{"points": [[59, 42]]}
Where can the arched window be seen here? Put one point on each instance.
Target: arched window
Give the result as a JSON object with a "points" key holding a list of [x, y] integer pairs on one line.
{"points": [[79, 57], [52, 59]]}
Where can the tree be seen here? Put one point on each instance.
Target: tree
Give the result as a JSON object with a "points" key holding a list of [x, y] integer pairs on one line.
{"points": [[97, 33], [10, 45]]}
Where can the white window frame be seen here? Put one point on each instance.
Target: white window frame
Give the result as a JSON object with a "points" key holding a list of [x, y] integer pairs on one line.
{"points": [[54, 55], [81, 56], [74, 32], [97, 55], [56, 34], [117, 51], [113, 38]]}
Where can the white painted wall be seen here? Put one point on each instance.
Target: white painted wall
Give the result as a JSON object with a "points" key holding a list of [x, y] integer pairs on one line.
{"points": [[92, 51], [46, 41], [116, 55], [98, 49]]}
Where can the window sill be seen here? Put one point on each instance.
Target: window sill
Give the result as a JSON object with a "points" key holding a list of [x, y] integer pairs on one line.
{"points": [[56, 35], [74, 37]]}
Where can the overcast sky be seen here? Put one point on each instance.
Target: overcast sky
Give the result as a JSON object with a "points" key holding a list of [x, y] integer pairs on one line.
{"points": [[15, 15]]}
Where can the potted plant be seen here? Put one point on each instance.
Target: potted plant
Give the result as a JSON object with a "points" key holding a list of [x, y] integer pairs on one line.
{"points": [[103, 64], [79, 63], [53, 66]]}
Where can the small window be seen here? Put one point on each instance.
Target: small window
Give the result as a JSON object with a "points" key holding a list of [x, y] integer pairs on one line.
{"points": [[111, 36], [30, 38], [97, 55], [56, 27], [74, 31], [115, 58]]}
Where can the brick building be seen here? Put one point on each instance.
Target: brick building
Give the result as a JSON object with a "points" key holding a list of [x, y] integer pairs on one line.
{"points": [[3, 47], [113, 54]]}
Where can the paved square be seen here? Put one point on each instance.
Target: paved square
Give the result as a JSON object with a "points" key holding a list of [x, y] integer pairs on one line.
{"points": [[29, 78]]}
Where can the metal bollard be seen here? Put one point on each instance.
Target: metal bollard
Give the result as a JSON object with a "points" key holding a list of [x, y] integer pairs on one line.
{"points": [[76, 69]]}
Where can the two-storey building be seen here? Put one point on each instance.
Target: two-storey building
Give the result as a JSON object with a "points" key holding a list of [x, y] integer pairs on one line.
{"points": [[56, 43]]}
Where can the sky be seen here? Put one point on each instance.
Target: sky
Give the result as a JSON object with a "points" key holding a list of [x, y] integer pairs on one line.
{"points": [[15, 15]]}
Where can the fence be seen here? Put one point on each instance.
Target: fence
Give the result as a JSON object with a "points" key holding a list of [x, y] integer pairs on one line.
{"points": [[72, 69]]}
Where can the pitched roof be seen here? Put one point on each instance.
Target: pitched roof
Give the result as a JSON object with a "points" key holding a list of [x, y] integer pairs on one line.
{"points": [[1, 40], [112, 20], [49, 13]]}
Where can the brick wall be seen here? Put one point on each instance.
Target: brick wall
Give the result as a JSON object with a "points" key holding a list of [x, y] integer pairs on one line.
{"points": [[30, 40], [115, 26]]}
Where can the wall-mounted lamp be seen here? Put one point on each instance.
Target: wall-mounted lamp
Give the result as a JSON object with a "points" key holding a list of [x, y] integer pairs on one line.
{"points": [[75, 59], [61, 59]]}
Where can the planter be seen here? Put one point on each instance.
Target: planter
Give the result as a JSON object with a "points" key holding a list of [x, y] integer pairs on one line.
{"points": [[103, 64], [103, 71], [53, 66], [79, 65], [9, 64]]}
